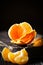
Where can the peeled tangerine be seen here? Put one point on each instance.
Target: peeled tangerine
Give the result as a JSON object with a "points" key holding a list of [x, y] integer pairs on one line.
{"points": [[5, 52], [19, 57], [22, 32], [29, 37], [15, 32]]}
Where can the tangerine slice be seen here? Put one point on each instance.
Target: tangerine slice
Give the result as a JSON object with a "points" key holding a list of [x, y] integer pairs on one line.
{"points": [[37, 42], [12, 56], [5, 52], [22, 58], [27, 27], [15, 32], [29, 37], [24, 52], [19, 57]]}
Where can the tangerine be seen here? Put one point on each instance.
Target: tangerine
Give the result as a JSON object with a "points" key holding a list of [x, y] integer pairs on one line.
{"points": [[5, 52], [22, 32]]}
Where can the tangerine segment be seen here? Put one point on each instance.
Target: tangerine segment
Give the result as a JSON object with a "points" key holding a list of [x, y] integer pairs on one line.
{"points": [[19, 57], [12, 56], [38, 42], [27, 27], [5, 52], [24, 52], [29, 37], [15, 32], [22, 58], [17, 53]]}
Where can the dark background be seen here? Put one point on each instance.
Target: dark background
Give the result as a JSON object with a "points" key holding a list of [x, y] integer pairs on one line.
{"points": [[18, 11]]}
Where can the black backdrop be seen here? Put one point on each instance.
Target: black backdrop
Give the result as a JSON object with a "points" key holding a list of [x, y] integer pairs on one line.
{"points": [[19, 11]]}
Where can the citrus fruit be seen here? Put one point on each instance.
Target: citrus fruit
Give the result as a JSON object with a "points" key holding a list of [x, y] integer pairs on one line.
{"points": [[24, 52], [21, 33], [19, 57], [27, 27], [38, 42], [12, 56], [22, 58], [5, 52], [29, 37], [15, 32]]}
